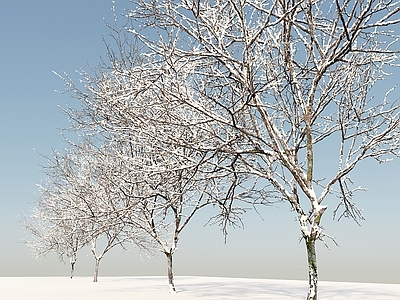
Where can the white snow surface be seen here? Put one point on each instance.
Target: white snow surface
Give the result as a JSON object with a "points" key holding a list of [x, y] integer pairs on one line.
{"points": [[188, 288]]}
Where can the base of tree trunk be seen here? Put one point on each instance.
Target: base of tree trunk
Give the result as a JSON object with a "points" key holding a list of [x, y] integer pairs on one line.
{"points": [[72, 269], [96, 270], [172, 289], [312, 270]]}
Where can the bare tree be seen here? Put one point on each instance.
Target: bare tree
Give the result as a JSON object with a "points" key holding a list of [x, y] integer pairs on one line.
{"points": [[53, 227], [163, 174], [51, 235], [255, 89], [78, 206], [277, 79], [109, 226], [172, 200], [160, 181]]}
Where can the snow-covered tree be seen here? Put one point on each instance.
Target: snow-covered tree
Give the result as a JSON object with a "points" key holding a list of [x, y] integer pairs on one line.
{"points": [[235, 100], [156, 145], [109, 228], [50, 234], [78, 206], [171, 201], [279, 81], [155, 151]]}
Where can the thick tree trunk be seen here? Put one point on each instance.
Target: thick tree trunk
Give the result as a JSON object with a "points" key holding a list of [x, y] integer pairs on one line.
{"points": [[312, 269], [172, 289], [96, 269]]}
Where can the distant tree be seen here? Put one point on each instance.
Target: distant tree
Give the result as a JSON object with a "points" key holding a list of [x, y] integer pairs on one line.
{"points": [[109, 227], [53, 225], [78, 207], [171, 200], [49, 234]]}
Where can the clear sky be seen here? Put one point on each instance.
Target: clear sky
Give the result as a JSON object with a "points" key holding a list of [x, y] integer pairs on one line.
{"points": [[40, 36]]}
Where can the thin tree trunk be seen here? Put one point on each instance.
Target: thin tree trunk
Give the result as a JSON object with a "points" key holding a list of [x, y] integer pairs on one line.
{"points": [[96, 269], [172, 289], [72, 261], [72, 268], [312, 269]]}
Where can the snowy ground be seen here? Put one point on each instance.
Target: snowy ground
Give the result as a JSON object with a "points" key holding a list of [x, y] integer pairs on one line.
{"points": [[189, 288]]}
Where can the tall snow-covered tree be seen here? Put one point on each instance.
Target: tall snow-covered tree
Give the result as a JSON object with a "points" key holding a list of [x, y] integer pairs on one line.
{"points": [[256, 89], [160, 173], [279, 81], [156, 142]]}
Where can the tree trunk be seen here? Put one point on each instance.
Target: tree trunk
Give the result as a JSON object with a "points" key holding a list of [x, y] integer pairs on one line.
{"points": [[72, 268], [172, 289], [96, 269], [312, 269], [72, 261]]}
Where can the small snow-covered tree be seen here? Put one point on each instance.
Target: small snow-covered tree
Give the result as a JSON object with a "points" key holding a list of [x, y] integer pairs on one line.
{"points": [[78, 206], [54, 224], [109, 228], [50, 234]]}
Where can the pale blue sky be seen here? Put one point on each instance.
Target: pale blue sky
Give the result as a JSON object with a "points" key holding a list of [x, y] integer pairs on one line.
{"points": [[40, 36]]}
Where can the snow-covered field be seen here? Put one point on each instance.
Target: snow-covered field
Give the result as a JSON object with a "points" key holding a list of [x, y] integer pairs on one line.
{"points": [[153, 287]]}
